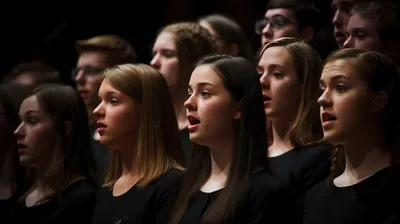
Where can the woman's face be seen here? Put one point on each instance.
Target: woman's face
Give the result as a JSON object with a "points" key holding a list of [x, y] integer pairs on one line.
{"points": [[211, 111], [346, 102], [35, 134], [165, 58], [118, 116], [280, 85]]}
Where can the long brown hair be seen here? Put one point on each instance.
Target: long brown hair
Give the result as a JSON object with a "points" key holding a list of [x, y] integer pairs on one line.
{"points": [[306, 129], [159, 146], [72, 158], [240, 78], [381, 74]]}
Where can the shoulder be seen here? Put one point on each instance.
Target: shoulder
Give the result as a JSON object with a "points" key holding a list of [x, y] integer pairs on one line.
{"points": [[170, 179], [81, 190], [316, 151], [264, 184]]}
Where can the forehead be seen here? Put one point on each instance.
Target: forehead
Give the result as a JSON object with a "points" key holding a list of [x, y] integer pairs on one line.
{"points": [[205, 73], [358, 22], [165, 40], [30, 103], [279, 11], [338, 67], [274, 55], [92, 58], [106, 86]]}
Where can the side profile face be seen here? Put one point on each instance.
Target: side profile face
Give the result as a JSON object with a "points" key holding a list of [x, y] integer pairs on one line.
{"points": [[280, 85], [210, 108], [118, 116], [283, 25], [165, 58], [363, 34], [341, 10], [88, 76], [345, 103], [35, 134]]}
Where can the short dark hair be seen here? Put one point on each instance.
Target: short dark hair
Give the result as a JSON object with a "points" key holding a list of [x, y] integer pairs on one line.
{"points": [[385, 13], [44, 73], [305, 12]]}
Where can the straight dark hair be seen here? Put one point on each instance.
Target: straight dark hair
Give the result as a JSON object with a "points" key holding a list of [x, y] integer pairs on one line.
{"points": [[249, 154]]}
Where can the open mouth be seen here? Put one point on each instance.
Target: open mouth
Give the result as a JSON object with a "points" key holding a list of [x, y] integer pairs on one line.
{"points": [[193, 120], [266, 98], [101, 125], [328, 117], [21, 146]]}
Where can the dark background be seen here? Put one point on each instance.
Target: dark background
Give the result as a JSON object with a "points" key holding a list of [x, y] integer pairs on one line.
{"points": [[48, 32]]}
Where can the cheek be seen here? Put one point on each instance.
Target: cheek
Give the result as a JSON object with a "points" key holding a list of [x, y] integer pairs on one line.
{"points": [[40, 140], [169, 69], [94, 83], [284, 91]]}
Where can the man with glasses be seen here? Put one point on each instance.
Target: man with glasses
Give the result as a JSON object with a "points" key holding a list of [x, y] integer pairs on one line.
{"points": [[288, 18], [95, 55]]}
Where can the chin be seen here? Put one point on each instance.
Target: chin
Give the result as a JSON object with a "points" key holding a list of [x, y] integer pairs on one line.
{"points": [[197, 139], [333, 137]]}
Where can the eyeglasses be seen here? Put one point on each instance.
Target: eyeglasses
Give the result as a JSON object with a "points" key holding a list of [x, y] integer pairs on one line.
{"points": [[87, 70], [276, 23]]}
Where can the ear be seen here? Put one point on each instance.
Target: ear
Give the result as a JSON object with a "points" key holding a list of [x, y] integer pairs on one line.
{"points": [[307, 34], [233, 49], [238, 112], [379, 100], [68, 127]]}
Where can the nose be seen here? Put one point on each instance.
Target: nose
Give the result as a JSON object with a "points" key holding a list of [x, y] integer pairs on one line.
{"points": [[267, 31], [337, 19], [98, 112], [19, 132], [190, 104], [264, 81], [155, 62], [324, 100], [349, 43], [80, 77]]}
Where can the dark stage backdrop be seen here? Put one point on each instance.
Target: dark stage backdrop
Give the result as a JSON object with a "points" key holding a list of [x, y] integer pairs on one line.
{"points": [[36, 32]]}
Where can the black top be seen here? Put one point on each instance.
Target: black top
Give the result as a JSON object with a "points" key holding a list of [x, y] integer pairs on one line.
{"points": [[302, 167], [7, 205], [152, 204], [268, 201], [365, 202], [74, 205]]}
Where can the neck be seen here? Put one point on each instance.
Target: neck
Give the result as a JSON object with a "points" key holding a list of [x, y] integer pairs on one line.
{"points": [[43, 180], [365, 155], [128, 158], [180, 110], [281, 139], [221, 156]]}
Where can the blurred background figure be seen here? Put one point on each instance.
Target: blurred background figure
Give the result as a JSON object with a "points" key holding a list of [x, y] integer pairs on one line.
{"points": [[33, 74], [228, 35], [96, 54], [176, 50]]}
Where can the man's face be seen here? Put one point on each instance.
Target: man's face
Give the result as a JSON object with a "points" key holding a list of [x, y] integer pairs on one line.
{"points": [[341, 10], [282, 23], [88, 76], [362, 34]]}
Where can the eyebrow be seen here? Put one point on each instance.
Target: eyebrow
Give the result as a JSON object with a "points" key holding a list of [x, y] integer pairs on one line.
{"points": [[201, 84], [109, 93], [28, 112], [359, 29]]}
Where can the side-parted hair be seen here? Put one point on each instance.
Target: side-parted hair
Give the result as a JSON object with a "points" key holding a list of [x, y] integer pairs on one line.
{"points": [[117, 49], [192, 42], [306, 128], [240, 78], [72, 158], [158, 147], [382, 76]]}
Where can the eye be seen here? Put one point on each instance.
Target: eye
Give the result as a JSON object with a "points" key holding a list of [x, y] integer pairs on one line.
{"points": [[113, 101], [341, 88], [277, 74], [32, 120], [205, 94]]}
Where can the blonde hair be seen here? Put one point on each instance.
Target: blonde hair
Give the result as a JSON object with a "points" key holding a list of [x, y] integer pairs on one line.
{"points": [[192, 42], [117, 49], [306, 128], [158, 143]]}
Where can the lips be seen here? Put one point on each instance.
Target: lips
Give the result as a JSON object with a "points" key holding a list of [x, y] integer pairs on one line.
{"points": [[193, 120], [101, 125], [327, 117], [21, 147]]}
